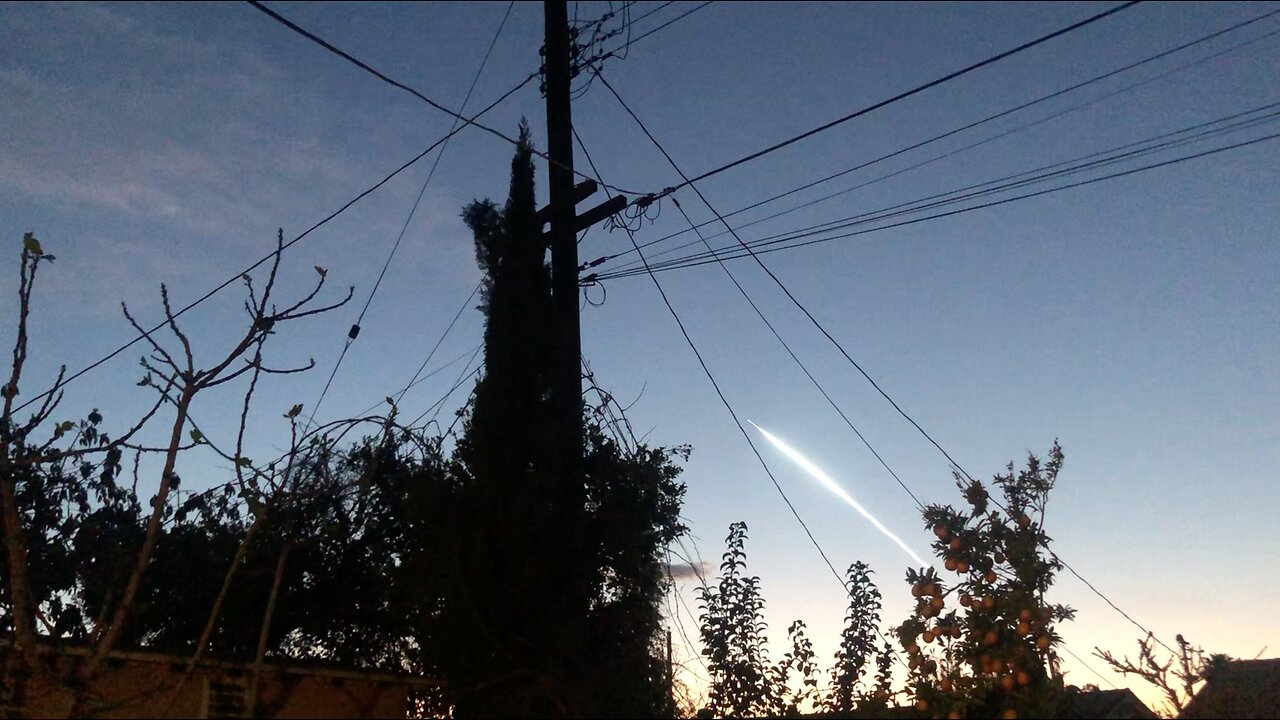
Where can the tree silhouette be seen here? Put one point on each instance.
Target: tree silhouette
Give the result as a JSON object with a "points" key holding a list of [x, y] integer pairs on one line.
{"points": [[388, 553], [858, 648], [996, 654], [559, 577]]}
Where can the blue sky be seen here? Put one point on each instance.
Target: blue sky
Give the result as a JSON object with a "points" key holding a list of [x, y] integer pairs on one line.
{"points": [[1135, 320]]}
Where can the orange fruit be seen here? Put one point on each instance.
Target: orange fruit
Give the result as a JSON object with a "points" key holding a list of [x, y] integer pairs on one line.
{"points": [[1025, 615], [1024, 629], [922, 705], [956, 543], [1024, 678], [1023, 520], [1006, 682], [988, 602], [1043, 642], [955, 632], [937, 603], [965, 599], [951, 564], [945, 685], [991, 576], [1000, 558], [990, 638], [1009, 715], [927, 636], [917, 590], [962, 567], [941, 531]]}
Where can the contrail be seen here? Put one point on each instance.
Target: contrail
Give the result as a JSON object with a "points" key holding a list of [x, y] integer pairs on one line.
{"points": [[831, 485]]}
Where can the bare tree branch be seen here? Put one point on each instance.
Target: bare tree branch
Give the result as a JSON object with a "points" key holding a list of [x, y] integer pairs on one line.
{"points": [[173, 325]]}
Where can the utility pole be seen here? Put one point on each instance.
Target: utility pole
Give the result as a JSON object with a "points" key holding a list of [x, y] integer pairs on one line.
{"points": [[567, 378], [566, 375]]}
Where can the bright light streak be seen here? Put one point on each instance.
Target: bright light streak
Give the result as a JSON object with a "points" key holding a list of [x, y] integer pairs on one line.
{"points": [[831, 485]]}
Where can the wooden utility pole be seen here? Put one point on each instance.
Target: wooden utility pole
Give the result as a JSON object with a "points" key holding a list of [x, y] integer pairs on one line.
{"points": [[566, 380], [567, 377]]}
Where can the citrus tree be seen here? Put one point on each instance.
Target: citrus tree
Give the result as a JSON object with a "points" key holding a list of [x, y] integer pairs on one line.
{"points": [[982, 640]]}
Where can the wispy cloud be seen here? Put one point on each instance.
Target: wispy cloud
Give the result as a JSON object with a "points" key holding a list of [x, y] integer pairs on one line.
{"points": [[688, 571]]}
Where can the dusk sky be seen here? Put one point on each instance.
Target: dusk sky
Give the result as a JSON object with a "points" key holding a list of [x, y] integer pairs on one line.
{"points": [[1136, 320]]}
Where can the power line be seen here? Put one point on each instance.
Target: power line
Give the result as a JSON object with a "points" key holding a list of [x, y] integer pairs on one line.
{"points": [[775, 279], [286, 246], [673, 20], [623, 50], [675, 590], [620, 52], [1090, 181], [354, 332], [729, 407], [466, 303], [752, 302], [1128, 88], [401, 86], [889, 101], [661, 6], [1106, 157], [420, 380], [840, 347], [692, 618], [437, 405], [787, 347], [1089, 667]]}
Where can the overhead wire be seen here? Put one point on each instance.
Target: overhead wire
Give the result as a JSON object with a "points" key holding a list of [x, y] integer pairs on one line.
{"points": [[465, 304], [784, 288], [831, 401], [330, 47], [676, 19], [751, 252], [421, 380], [1037, 175], [954, 463], [354, 331], [661, 6], [1089, 667], [467, 373], [324, 221], [977, 123], [724, 400], [621, 52], [900, 96], [750, 301]]}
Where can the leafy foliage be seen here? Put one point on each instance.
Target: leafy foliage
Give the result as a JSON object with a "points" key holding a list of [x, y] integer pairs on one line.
{"points": [[392, 553], [996, 653], [733, 636], [858, 649]]}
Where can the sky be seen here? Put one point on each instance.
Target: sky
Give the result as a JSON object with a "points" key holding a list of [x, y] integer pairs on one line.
{"points": [[1134, 320]]}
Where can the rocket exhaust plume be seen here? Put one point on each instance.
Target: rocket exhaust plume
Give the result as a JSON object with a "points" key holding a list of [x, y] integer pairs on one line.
{"points": [[831, 485]]}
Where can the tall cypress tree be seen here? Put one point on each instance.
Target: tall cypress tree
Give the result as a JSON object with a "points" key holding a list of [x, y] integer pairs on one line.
{"points": [[507, 529], [555, 608]]}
